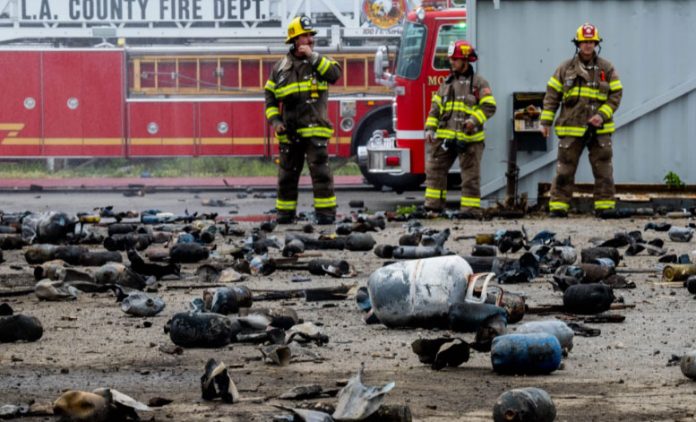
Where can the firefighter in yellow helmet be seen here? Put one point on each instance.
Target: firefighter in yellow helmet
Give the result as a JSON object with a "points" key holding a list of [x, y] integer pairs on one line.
{"points": [[454, 129], [297, 93], [588, 90]]}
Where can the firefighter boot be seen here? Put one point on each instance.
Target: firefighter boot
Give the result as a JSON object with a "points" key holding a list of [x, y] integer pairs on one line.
{"points": [[284, 217], [324, 219], [470, 213], [431, 213]]}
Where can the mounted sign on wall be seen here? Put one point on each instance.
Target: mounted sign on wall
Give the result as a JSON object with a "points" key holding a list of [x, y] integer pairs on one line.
{"points": [[143, 10]]}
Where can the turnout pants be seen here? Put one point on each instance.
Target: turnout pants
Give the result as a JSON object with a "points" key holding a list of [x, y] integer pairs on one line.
{"points": [[292, 158], [569, 151], [437, 167]]}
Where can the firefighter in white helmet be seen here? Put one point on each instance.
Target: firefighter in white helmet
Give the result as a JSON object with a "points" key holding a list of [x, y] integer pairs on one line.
{"points": [[454, 129], [297, 93], [588, 90]]}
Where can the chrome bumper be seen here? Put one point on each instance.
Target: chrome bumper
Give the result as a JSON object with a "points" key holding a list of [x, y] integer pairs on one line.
{"points": [[374, 156]]}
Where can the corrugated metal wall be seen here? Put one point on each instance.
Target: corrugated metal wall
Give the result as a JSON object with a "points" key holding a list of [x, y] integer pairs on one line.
{"points": [[651, 44]]}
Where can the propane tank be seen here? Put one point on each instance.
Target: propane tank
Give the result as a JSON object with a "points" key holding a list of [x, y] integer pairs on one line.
{"points": [[524, 405], [421, 292], [558, 329], [533, 353], [590, 298]]}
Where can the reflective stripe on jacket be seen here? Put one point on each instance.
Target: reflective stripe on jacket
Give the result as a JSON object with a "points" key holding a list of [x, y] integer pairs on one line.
{"points": [[297, 93], [457, 100], [582, 90]]}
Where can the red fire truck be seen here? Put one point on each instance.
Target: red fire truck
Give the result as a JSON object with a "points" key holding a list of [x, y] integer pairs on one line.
{"points": [[187, 80], [389, 142], [207, 100], [137, 102]]}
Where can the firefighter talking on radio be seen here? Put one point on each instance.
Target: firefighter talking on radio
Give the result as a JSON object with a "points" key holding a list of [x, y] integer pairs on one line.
{"points": [[589, 91], [296, 106], [454, 129]]}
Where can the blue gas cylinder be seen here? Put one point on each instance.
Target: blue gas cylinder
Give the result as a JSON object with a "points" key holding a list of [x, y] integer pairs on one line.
{"points": [[532, 353]]}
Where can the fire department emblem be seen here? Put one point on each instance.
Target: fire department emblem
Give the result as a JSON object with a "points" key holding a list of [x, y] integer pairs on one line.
{"points": [[384, 14], [588, 31]]}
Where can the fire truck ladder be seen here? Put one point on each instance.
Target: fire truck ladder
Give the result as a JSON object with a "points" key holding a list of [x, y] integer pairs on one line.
{"points": [[230, 73]]}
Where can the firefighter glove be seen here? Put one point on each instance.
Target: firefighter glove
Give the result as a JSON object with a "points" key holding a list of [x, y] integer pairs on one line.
{"points": [[429, 136], [596, 120], [545, 131], [469, 126], [279, 126]]}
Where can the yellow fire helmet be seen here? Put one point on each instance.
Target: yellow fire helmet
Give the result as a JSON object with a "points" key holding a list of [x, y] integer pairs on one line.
{"points": [[587, 32], [298, 26]]}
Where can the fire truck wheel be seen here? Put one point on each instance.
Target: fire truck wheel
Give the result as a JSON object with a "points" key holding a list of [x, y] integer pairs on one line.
{"points": [[376, 119]]}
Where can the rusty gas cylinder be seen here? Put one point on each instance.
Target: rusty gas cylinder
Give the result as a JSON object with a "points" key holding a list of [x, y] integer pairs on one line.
{"points": [[524, 404]]}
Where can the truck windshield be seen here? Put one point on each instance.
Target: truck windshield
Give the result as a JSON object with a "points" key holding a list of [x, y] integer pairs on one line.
{"points": [[447, 35], [410, 59]]}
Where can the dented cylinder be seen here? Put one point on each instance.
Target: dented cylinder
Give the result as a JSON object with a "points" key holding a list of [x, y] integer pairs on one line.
{"points": [[317, 266], [360, 242], [188, 253], [419, 292], [680, 234], [202, 329], [484, 250], [410, 239], [228, 300], [534, 353], [589, 255], [20, 328], [117, 273], [293, 247], [567, 254], [524, 405], [514, 305], [595, 273], [588, 298]]}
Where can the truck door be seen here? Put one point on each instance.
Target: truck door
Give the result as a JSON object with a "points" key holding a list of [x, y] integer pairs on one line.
{"points": [[20, 108], [438, 68]]}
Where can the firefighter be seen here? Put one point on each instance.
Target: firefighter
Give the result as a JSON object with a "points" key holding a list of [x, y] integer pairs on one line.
{"points": [[454, 129], [296, 106], [589, 90]]}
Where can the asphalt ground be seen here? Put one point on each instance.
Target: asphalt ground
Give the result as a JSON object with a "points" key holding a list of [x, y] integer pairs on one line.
{"points": [[621, 375], [160, 183]]}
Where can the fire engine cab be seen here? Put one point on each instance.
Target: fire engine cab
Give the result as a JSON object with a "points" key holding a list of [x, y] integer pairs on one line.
{"points": [[390, 141]]}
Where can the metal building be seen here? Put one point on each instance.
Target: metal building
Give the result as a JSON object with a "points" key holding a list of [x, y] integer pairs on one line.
{"points": [[650, 42]]}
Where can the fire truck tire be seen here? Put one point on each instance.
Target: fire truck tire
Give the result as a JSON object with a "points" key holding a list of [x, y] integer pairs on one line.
{"points": [[381, 118]]}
